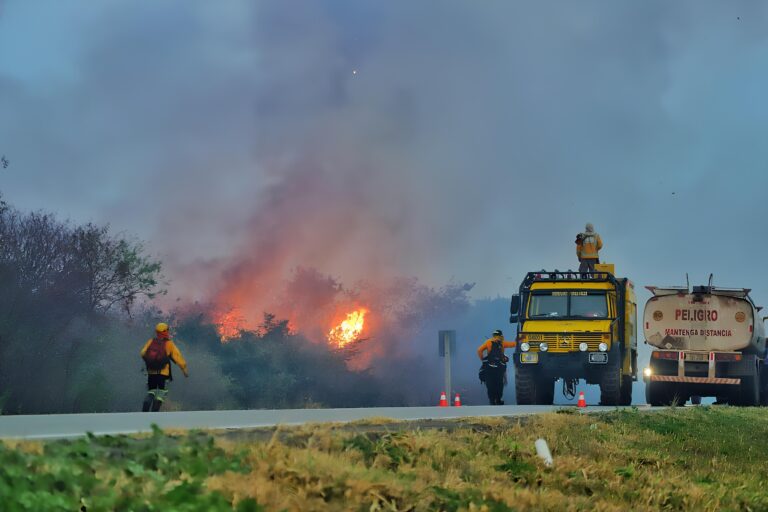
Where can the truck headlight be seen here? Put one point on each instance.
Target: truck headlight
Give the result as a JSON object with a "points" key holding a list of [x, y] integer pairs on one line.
{"points": [[647, 372], [583, 346], [525, 347], [602, 347], [543, 347]]}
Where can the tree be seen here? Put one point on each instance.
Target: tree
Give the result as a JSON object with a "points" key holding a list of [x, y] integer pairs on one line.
{"points": [[84, 263], [113, 270], [35, 246]]}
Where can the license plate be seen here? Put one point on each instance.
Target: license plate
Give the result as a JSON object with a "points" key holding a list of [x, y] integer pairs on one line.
{"points": [[693, 356], [598, 358], [530, 357]]}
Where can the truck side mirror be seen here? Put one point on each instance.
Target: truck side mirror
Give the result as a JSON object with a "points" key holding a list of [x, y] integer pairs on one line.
{"points": [[514, 309]]}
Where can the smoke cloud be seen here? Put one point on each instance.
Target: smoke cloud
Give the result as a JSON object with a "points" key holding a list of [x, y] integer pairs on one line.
{"points": [[305, 157]]}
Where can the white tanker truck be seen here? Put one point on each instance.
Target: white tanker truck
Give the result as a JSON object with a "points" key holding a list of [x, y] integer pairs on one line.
{"points": [[709, 342]]}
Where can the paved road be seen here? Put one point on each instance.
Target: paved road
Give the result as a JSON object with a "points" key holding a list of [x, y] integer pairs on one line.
{"points": [[55, 426]]}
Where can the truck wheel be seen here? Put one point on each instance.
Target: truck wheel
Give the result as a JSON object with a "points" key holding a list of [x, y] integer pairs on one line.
{"points": [[763, 386], [749, 391], [626, 390], [658, 394], [525, 386], [610, 385], [546, 392], [695, 400]]}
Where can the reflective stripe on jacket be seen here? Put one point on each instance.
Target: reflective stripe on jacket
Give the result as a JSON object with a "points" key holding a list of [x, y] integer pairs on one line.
{"points": [[173, 352], [589, 246]]}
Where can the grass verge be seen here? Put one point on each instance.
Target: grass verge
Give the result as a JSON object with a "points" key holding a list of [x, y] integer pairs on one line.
{"points": [[704, 458]]}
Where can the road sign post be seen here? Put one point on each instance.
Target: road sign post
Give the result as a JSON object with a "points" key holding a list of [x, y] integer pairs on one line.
{"points": [[447, 347]]}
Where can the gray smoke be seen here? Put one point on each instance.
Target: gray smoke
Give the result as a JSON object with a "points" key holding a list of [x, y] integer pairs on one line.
{"points": [[374, 140]]}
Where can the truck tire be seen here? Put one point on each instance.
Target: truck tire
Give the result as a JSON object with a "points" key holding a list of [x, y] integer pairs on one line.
{"points": [[763, 386], [749, 392], [610, 384], [695, 400], [626, 390], [545, 392], [658, 394], [525, 386]]}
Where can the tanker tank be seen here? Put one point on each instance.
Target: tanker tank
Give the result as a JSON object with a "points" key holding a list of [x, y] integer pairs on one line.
{"points": [[707, 319]]}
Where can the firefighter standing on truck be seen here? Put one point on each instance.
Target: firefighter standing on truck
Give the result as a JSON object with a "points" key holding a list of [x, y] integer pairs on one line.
{"points": [[588, 245], [158, 353], [493, 372]]}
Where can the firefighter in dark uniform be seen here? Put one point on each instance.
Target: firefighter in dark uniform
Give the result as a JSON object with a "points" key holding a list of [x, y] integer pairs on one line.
{"points": [[494, 369]]}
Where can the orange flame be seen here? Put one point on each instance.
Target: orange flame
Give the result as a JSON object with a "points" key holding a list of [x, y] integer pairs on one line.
{"points": [[349, 330], [229, 324]]}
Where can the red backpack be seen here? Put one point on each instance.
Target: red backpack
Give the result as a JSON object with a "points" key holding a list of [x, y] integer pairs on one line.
{"points": [[156, 357]]}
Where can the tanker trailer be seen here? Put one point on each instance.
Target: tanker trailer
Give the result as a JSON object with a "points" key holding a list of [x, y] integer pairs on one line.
{"points": [[708, 342]]}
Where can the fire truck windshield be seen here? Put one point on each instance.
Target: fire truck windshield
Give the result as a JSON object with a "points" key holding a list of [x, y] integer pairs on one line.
{"points": [[568, 304]]}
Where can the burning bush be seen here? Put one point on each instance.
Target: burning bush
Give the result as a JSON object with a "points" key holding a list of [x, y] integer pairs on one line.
{"points": [[349, 330]]}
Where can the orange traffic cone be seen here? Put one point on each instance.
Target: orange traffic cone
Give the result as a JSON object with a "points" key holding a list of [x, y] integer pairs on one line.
{"points": [[582, 402], [443, 400], [457, 401]]}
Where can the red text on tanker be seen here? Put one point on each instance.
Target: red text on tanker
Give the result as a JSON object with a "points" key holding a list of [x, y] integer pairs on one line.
{"points": [[696, 315], [699, 332]]}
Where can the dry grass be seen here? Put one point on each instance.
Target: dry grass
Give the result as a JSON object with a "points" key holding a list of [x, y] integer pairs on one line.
{"points": [[34, 447], [693, 459], [375, 420]]}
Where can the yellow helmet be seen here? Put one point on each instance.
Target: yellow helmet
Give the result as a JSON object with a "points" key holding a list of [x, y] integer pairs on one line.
{"points": [[161, 327]]}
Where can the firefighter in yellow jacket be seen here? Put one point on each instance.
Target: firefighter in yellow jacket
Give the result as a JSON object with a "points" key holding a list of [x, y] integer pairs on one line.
{"points": [[588, 245], [158, 353], [493, 372]]}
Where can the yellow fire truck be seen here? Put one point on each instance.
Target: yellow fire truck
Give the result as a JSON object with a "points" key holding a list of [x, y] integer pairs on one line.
{"points": [[572, 326]]}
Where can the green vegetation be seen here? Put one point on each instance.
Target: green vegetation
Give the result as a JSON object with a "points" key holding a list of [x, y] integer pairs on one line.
{"points": [[705, 458], [117, 473]]}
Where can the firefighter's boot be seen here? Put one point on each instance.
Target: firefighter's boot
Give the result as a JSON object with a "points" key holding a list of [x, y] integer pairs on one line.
{"points": [[148, 401], [159, 399]]}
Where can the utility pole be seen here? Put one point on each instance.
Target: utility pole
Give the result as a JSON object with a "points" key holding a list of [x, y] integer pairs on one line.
{"points": [[447, 347]]}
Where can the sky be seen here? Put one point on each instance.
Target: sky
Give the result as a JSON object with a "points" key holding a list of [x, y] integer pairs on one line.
{"points": [[452, 141]]}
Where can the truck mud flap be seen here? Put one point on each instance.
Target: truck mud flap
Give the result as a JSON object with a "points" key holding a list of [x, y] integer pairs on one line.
{"points": [[694, 380]]}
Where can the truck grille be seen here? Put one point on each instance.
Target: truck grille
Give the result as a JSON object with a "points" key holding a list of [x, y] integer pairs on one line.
{"points": [[566, 342]]}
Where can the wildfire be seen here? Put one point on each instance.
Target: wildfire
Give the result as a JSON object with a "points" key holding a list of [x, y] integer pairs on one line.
{"points": [[229, 324], [349, 330]]}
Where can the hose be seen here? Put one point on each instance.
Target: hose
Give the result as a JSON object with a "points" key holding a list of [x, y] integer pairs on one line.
{"points": [[569, 388]]}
